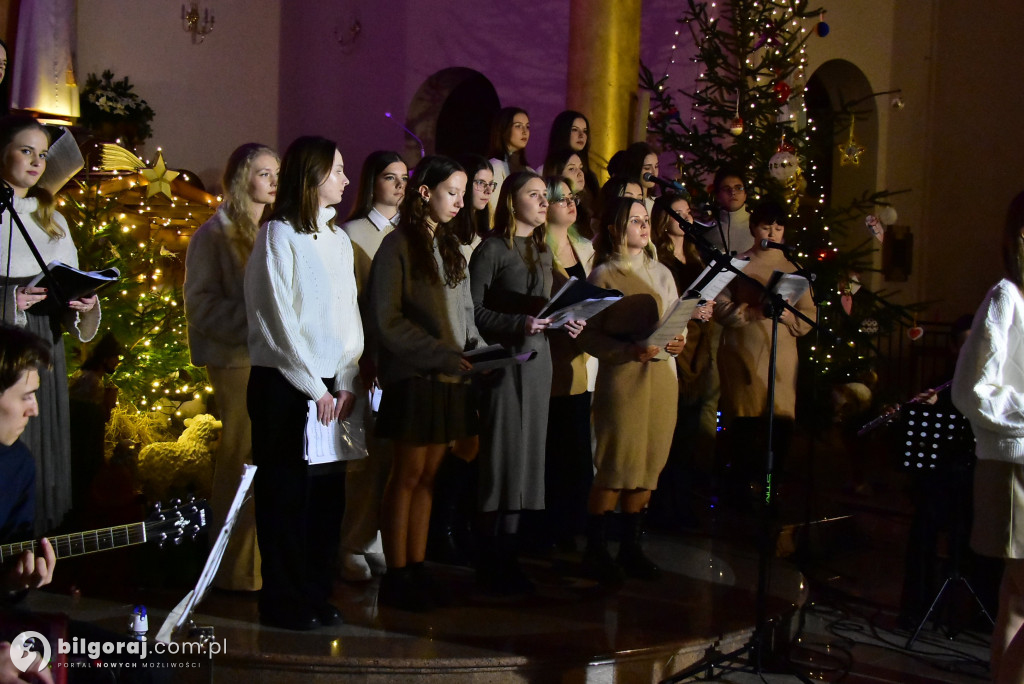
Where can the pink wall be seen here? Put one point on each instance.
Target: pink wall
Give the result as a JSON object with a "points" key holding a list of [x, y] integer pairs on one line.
{"points": [[523, 53]]}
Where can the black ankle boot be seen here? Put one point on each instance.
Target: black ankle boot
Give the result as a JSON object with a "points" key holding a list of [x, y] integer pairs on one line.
{"points": [[401, 588], [598, 563], [631, 552], [444, 545]]}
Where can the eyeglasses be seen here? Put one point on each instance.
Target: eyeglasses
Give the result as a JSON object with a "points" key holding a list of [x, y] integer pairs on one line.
{"points": [[485, 186], [564, 201], [732, 189]]}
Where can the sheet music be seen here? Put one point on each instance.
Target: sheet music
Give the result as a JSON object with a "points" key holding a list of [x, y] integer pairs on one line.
{"points": [[182, 612], [342, 440], [671, 324], [789, 285], [494, 356], [577, 300], [713, 279]]}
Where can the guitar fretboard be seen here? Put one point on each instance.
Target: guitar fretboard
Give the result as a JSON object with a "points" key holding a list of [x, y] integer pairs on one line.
{"points": [[81, 543]]}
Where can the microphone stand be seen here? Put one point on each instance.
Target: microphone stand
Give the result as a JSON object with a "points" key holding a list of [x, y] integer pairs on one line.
{"points": [[7, 204], [753, 650]]}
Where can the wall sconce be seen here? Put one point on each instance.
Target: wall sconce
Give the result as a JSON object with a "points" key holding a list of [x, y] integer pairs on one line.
{"points": [[190, 22]]}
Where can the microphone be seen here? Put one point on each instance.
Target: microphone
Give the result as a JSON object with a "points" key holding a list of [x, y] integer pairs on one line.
{"points": [[768, 244], [667, 184]]}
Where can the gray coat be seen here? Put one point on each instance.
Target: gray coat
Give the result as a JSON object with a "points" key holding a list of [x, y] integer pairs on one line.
{"points": [[507, 285]]}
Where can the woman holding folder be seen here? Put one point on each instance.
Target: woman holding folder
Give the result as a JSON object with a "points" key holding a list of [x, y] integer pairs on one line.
{"points": [[510, 278], [423, 316], [636, 393], [23, 149]]}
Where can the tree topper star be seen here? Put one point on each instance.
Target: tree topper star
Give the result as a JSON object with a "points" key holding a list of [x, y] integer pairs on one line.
{"points": [[159, 177]]}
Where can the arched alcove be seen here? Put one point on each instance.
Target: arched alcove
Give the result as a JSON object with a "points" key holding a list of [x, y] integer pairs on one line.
{"points": [[451, 113], [836, 89]]}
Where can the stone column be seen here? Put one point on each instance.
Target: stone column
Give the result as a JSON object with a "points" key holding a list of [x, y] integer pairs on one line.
{"points": [[604, 66]]}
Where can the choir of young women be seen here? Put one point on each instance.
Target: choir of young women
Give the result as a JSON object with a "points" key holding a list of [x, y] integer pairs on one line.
{"points": [[463, 255]]}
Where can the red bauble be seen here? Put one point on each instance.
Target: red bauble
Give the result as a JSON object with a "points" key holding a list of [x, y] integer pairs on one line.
{"points": [[782, 92]]}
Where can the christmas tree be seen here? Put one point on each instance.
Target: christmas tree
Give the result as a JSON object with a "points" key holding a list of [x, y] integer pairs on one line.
{"points": [[139, 221], [747, 111]]}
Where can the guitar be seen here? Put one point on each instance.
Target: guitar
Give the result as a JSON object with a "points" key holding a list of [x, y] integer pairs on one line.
{"points": [[181, 520]]}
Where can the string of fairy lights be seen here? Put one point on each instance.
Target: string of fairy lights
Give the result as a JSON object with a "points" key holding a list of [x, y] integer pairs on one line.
{"points": [[773, 31], [141, 219]]}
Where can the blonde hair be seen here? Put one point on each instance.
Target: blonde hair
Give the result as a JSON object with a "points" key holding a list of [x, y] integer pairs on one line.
{"points": [[238, 204]]}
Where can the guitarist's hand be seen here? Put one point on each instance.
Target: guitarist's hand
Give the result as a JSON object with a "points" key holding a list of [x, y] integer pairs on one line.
{"points": [[32, 571], [9, 674]]}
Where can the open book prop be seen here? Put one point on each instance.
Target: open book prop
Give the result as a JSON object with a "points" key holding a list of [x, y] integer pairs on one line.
{"points": [[71, 283], [494, 356], [789, 286], [182, 613], [577, 300]]}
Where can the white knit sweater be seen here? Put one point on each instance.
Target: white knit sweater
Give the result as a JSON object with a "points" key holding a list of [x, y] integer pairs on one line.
{"points": [[300, 296], [988, 385], [24, 265]]}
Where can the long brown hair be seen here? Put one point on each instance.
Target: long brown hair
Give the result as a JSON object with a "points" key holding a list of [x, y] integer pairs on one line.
{"points": [[660, 237], [237, 202], [374, 165], [431, 172], [10, 126], [1013, 241], [609, 243], [500, 129], [306, 164], [504, 215]]}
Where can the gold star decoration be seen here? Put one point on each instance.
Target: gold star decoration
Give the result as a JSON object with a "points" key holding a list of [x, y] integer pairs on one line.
{"points": [[159, 177], [850, 151]]}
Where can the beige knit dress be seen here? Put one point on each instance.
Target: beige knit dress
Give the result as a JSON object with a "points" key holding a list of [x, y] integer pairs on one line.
{"points": [[634, 405], [746, 343]]}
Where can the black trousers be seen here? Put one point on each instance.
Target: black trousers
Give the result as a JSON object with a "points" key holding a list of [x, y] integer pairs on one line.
{"points": [[568, 465], [298, 506]]}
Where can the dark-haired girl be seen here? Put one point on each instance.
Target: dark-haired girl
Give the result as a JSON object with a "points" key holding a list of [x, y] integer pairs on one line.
{"points": [[510, 133], [382, 184], [745, 349], [423, 316], [571, 131], [305, 340]]}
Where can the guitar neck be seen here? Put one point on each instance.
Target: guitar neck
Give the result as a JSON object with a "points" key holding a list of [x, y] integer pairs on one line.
{"points": [[80, 543]]}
